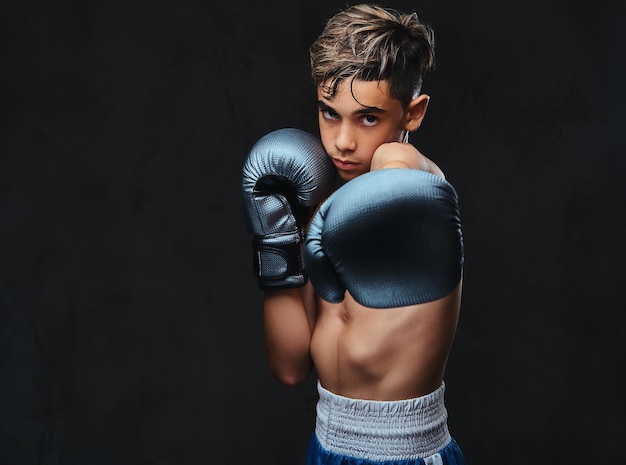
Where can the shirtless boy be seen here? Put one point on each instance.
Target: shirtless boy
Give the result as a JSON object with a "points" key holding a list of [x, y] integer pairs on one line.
{"points": [[358, 248]]}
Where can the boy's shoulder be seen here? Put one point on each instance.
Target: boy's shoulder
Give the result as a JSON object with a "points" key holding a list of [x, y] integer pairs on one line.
{"points": [[403, 155]]}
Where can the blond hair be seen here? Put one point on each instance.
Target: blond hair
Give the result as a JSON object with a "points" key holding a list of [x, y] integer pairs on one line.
{"points": [[369, 42]]}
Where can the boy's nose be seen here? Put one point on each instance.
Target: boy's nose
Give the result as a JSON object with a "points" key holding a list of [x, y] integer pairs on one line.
{"points": [[345, 139]]}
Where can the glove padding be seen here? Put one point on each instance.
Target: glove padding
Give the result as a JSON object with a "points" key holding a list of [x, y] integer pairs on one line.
{"points": [[286, 172], [390, 237]]}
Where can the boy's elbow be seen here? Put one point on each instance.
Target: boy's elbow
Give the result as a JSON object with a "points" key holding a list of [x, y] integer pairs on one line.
{"points": [[289, 377]]}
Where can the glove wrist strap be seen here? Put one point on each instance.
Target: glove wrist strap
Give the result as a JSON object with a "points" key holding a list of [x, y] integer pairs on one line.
{"points": [[278, 261]]}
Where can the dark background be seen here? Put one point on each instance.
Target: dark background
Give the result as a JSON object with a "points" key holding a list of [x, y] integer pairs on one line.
{"points": [[130, 322]]}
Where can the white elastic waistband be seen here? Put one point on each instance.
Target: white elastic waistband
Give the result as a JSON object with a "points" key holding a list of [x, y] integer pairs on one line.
{"points": [[382, 430]]}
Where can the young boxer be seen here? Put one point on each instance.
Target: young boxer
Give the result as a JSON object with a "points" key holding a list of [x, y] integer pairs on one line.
{"points": [[361, 281]]}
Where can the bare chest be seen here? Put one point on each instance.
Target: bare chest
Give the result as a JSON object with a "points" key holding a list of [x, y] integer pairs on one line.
{"points": [[380, 352]]}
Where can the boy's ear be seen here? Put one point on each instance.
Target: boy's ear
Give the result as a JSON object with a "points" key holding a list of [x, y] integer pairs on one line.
{"points": [[415, 112]]}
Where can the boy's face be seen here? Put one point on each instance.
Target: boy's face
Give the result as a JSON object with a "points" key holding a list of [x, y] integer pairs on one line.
{"points": [[360, 118]]}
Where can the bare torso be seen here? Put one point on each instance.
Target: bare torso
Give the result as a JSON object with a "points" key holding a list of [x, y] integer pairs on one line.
{"points": [[383, 354]]}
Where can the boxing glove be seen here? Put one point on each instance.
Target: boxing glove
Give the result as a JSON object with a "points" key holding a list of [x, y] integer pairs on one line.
{"points": [[286, 173], [390, 237]]}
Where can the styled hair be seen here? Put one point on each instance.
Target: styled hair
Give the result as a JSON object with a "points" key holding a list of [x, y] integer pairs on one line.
{"points": [[372, 43]]}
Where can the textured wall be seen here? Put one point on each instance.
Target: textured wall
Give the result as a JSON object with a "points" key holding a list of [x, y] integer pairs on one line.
{"points": [[130, 328]]}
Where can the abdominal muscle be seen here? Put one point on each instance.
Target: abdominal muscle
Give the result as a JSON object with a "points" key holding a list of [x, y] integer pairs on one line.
{"points": [[383, 354]]}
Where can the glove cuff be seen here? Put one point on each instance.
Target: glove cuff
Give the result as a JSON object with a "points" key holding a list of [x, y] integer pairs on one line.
{"points": [[278, 261]]}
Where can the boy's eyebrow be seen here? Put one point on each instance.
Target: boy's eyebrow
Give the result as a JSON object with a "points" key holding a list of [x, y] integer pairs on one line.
{"points": [[323, 106], [361, 111]]}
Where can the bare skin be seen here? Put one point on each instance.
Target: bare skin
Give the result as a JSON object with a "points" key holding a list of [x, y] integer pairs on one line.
{"points": [[360, 352], [387, 354]]}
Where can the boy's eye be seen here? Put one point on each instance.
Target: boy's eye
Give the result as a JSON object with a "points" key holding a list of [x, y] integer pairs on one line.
{"points": [[369, 120], [329, 114]]}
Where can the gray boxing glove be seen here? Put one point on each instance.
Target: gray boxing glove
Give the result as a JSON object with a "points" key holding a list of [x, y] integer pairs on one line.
{"points": [[390, 237], [286, 174]]}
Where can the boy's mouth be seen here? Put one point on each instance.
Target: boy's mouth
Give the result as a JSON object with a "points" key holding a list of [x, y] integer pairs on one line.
{"points": [[345, 165]]}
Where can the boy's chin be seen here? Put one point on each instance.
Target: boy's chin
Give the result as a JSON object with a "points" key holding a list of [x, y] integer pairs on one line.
{"points": [[348, 176]]}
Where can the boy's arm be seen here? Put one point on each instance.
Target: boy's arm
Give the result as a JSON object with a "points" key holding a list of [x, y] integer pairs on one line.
{"points": [[286, 174], [289, 317], [403, 155]]}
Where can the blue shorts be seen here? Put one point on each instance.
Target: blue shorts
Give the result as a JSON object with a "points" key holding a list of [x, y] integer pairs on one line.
{"points": [[449, 455], [368, 432]]}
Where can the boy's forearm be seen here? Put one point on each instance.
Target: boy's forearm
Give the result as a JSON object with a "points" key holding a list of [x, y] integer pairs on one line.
{"points": [[288, 328]]}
